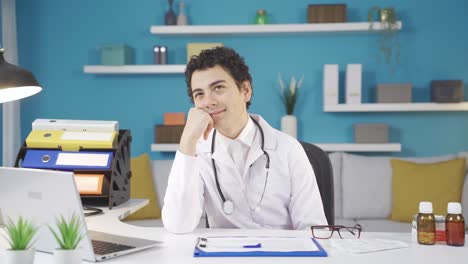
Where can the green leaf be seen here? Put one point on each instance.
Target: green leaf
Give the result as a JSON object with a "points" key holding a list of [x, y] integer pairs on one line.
{"points": [[20, 234], [69, 235]]}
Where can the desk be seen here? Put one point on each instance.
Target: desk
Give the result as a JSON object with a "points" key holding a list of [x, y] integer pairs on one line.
{"points": [[179, 248]]}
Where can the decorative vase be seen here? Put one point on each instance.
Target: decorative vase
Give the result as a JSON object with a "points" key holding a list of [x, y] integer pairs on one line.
{"points": [[69, 256], [20, 256], [289, 125], [182, 18], [170, 18]]}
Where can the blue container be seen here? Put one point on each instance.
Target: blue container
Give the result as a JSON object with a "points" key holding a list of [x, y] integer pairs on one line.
{"points": [[117, 55]]}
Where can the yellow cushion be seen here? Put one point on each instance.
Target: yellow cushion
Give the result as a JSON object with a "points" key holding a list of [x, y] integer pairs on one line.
{"points": [[439, 183], [142, 187]]}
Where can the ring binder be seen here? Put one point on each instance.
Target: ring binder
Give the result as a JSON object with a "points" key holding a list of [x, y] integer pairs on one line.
{"points": [[116, 182]]}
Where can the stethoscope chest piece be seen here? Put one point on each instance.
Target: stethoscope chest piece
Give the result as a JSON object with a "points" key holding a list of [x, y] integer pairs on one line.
{"points": [[228, 207]]}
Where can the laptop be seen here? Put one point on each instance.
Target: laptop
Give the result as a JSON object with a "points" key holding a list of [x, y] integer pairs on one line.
{"points": [[43, 195]]}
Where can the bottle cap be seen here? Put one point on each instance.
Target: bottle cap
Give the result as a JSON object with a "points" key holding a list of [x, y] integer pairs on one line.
{"points": [[425, 207], [454, 208]]}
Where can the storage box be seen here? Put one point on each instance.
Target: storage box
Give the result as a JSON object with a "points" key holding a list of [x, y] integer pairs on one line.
{"points": [[447, 91], [326, 13], [370, 133], [117, 55], [394, 93], [168, 134], [174, 119], [196, 48]]}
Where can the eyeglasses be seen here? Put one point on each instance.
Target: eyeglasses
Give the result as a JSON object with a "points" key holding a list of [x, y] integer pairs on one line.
{"points": [[326, 231]]}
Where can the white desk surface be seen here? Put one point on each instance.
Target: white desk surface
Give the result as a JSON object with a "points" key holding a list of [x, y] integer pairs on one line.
{"points": [[179, 248]]}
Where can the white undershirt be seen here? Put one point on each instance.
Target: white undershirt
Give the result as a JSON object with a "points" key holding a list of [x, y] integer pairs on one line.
{"points": [[238, 148]]}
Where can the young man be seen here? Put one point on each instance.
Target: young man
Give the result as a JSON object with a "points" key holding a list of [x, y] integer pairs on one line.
{"points": [[243, 172]]}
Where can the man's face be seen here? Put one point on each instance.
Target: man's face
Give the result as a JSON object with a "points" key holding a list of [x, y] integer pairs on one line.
{"points": [[216, 92]]}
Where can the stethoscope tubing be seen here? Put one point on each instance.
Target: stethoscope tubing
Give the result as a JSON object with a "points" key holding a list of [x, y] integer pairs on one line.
{"points": [[228, 206]]}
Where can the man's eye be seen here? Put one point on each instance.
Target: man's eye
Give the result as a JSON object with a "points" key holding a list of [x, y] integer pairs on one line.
{"points": [[196, 95], [218, 87]]}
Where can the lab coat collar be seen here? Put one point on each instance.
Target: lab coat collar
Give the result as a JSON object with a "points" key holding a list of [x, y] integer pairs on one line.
{"points": [[245, 137]]}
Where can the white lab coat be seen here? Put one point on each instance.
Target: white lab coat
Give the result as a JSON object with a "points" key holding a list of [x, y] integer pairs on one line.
{"points": [[291, 200]]}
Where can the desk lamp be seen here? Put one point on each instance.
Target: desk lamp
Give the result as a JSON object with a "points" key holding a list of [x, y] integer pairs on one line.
{"points": [[15, 82]]}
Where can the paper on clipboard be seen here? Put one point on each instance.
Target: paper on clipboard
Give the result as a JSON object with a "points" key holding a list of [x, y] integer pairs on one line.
{"points": [[267, 244]]}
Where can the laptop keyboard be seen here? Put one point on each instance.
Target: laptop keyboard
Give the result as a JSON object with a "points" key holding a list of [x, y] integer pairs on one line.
{"points": [[104, 247]]}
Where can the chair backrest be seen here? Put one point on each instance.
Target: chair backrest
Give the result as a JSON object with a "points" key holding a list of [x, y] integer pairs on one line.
{"points": [[324, 174]]}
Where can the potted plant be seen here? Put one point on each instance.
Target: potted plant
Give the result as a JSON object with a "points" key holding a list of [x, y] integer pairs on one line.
{"points": [[389, 45], [20, 237], [289, 98], [68, 238]]}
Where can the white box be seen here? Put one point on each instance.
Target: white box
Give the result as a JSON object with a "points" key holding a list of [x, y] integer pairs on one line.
{"points": [[353, 83], [75, 125], [330, 84]]}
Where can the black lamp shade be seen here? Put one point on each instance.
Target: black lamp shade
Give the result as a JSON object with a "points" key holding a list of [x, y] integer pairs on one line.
{"points": [[14, 76], [15, 82]]}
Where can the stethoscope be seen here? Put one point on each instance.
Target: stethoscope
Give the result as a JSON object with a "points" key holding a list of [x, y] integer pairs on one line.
{"points": [[228, 205]]}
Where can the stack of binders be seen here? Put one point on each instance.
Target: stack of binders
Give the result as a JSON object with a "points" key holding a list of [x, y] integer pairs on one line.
{"points": [[97, 152]]}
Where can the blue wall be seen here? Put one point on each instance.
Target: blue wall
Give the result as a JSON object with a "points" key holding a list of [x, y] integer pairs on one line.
{"points": [[57, 38]]}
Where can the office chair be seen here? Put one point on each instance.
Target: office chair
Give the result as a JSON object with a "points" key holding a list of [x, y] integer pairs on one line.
{"points": [[324, 174], [323, 171]]}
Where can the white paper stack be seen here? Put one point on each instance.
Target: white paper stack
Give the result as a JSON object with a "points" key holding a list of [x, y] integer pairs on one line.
{"points": [[75, 125], [353, 83]]}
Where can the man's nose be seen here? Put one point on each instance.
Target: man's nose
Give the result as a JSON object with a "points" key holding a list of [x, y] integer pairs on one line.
{"points": [[209, 100]]}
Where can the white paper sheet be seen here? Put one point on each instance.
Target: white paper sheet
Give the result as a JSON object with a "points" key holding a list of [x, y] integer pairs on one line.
{"points": [[357, 246], [82, 159]]}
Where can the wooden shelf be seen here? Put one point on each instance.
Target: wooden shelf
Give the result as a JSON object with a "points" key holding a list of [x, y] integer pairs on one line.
{"points": [[268, 29], [135, 69], [404, 107], [346, 147]]}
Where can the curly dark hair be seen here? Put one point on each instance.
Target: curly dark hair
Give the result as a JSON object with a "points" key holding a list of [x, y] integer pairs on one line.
{"points": [[225, 57]]}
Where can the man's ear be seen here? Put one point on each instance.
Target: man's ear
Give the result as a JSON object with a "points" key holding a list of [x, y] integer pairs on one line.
{"points": [[246, 90]]}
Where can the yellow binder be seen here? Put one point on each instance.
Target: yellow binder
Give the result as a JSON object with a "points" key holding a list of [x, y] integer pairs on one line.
{"points": [[71, 140]]}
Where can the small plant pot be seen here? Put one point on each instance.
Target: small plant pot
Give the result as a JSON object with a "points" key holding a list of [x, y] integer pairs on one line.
{"points": [[387, 15], [20, 256], [69, 256]]}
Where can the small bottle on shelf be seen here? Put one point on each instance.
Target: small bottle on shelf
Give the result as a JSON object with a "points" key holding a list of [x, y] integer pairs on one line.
{"points": [[261, 18], [426, 224], [455, 225]]}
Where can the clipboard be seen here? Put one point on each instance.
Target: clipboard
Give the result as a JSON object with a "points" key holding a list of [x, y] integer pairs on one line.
{"points": [[256, 249]]}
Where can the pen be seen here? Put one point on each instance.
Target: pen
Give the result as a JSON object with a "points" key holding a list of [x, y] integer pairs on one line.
{"points": [[259, 245]]}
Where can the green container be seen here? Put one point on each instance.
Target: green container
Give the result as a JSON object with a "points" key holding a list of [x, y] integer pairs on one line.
{"points": [[117, 55]]}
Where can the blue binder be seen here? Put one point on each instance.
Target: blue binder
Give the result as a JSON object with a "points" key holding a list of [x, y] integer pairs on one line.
{"points": [[67, 160], [200, 252]]}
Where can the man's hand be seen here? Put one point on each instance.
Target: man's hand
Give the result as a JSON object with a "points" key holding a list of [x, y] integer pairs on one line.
{"points": [[198, 123]]}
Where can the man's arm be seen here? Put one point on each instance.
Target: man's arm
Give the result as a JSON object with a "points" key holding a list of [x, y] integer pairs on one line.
{"points": [[306, 207], [183, 201]]}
